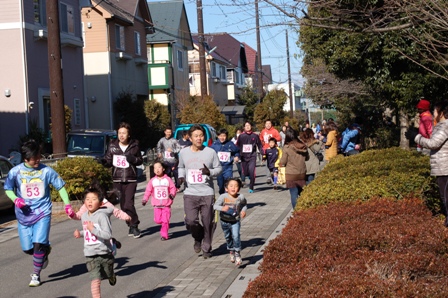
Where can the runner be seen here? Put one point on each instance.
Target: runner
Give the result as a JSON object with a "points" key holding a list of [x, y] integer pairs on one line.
{"points": [[167, 150], [248, 142], [266, 134], [197, 165]]}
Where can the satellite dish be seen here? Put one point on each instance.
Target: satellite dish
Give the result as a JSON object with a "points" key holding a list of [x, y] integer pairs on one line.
{"points": [[15, 157]]}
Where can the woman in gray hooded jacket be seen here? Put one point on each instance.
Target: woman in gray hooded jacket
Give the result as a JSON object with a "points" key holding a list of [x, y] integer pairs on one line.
{"points": [[438, 144]]}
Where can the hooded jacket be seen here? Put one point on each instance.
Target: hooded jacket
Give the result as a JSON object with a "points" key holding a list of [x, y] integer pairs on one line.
{"points": [[293, 159]]}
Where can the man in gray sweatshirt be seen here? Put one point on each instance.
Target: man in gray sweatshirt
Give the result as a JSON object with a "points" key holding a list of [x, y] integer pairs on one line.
{"points": [[197, 166], [167, 150]]}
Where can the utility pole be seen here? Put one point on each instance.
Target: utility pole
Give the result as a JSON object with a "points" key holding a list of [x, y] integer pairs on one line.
{"points": [[259, 70], [291, 111], [56, 82], [202, 66]]}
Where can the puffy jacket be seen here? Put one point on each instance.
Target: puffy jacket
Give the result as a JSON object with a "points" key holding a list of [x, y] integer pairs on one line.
{"points": [[227, 146], [350, 138], [128, 174], [293, 159], [439, 148], [332, 144]]}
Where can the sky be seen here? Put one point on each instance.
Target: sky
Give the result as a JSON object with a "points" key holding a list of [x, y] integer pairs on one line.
{"points": [[237, 18]]}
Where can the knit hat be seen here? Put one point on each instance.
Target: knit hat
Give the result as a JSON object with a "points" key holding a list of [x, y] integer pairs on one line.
{"points": [[423, 104]]}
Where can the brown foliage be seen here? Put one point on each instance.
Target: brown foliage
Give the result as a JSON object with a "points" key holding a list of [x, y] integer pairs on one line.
{"points": [[382, 248]]}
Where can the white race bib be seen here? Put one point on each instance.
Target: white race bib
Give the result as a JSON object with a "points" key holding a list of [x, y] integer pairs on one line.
{"points": [[119, 161], [224, 156], [247, 148], [89, 238], [266, 138], [194, 176], [34, 190], [167, 154], [161, 192]]}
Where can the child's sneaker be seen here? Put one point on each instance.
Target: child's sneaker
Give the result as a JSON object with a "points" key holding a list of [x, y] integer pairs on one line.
{"points": [[35, 280], [251, 191], [238, 260], [46, 261], [113, 280], [232, 256], [275, 187]]}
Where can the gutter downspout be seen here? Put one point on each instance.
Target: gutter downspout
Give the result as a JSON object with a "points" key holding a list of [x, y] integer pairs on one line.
{"points": [[25, 68]]}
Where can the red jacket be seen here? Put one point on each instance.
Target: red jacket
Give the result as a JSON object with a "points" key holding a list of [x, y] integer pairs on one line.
{"points": [[425, 126], [266, 134]]}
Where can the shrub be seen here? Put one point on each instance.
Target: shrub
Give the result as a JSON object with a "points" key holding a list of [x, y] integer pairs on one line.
{"points": [[392, 172], [78, 173], [381, 248]]}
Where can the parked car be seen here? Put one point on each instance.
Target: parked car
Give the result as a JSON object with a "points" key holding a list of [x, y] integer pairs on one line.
{"points": [[5, 166], [89, 142], [210, 133]]}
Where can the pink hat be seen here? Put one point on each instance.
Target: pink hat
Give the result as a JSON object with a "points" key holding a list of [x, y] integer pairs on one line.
{"points": [[423, 104]]}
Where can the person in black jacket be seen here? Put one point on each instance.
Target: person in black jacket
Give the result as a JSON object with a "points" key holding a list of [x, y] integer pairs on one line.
{"points": [[123, 155]]}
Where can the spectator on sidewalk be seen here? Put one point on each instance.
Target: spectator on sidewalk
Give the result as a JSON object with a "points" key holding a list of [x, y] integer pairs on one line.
{"points": [[331, 144], [197, 166], [425, 125], [351, 140], [314, 146]]}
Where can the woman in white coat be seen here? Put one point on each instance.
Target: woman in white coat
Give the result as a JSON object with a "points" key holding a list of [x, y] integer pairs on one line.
{"points": [[438, 144]]}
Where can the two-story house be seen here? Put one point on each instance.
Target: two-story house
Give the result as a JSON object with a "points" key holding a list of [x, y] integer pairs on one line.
{"points": [[115, 59], [167, 52], [24, 78]]}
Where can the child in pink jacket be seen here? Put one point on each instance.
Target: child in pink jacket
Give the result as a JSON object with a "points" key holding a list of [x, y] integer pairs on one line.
{"points": [[162, 191]]}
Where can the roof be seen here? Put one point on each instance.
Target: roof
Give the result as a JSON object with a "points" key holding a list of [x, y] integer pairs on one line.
{"points": [[232, 110], [251, 56], [167, 17], [125, 10], [228, 48], [267, 74], [213, 54]]}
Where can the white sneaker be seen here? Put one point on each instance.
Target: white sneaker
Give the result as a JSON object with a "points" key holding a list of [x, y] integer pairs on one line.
{"points": [[35, 280], [238, 260], [232, 257]]}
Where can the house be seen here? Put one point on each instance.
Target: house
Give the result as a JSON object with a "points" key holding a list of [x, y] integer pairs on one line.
{"points": [[168, 54], [232, 51], [216, 73], [252, 64], [115, 57], [25, 86]]}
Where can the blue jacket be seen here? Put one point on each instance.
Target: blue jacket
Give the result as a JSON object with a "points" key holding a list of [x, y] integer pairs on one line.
{"points": [[226, 147], [349, 139]]}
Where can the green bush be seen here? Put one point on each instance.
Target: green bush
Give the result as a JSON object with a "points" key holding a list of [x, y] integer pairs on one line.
{"points": [[381, 248], [78, 173], [392, 172]]}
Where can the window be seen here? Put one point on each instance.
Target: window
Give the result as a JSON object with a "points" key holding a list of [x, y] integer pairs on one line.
{"points": [[67, 20], [191, 80], [213, 69], [40, 12], [138, 51], [230, 76], [77, 111], [119, 37], [222, 72], [237, 77], [180, 62], [194, 68]]}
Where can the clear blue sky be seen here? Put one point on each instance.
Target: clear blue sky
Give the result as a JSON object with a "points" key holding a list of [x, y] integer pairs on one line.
{"points": [[237, 17]]}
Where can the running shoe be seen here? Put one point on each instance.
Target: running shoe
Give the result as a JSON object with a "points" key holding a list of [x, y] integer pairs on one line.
{"points": [[207, 255], [232, 256], [197, 246], [251, 191], [131, 231], [137, 233], [113, 280], [35, 280], [238, 260]]}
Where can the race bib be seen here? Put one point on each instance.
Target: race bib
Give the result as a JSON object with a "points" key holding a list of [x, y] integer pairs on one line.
{"points": [[167, 154], [89, 238], [247, 148], [34, 190], [266, 138], [161, 192], [119, 161], [194, 176], [224, 156]]}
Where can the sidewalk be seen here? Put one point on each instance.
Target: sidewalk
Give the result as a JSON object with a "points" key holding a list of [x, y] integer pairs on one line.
{"points": [[217, 277]]}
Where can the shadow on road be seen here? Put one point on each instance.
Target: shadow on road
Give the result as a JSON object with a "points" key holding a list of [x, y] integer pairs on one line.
{"points": [[152, 293], [128, 270], [255, 242], [73, 271]]}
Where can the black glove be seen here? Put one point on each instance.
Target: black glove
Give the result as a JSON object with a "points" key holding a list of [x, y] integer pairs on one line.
{"points": [[103, 161], [410, 134], [205, 170], [131, 159]]}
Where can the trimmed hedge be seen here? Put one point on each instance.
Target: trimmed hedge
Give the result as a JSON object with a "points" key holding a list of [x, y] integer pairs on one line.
{"points": [[78, 173], [381, 248], [388, 173]]}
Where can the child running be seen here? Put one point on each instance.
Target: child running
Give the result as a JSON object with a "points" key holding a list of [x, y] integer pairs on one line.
{"points": [[232, 206], [28, 186], [97, 233], [106, 203], [272, 157], [162, 191]]}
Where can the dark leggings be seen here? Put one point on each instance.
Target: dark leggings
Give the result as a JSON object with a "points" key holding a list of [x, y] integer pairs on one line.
{"points": [[442, 181], [248, 167], [127, 203]]}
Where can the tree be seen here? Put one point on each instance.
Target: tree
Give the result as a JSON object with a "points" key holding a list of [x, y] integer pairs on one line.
{"points": [[248, 98], [271, 108], [194, 109]]}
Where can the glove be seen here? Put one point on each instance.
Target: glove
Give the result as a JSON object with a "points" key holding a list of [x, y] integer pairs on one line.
{"points": [[131, 159], [181, 180], [103, 161], [20, 203], [410, 134], [205, 170], [144, 202], [69, 211]]}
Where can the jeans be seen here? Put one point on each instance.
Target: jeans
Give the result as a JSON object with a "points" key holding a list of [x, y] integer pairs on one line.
{"points": [[232, 235], [295, 193], [227, 172], [309, 178]]}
